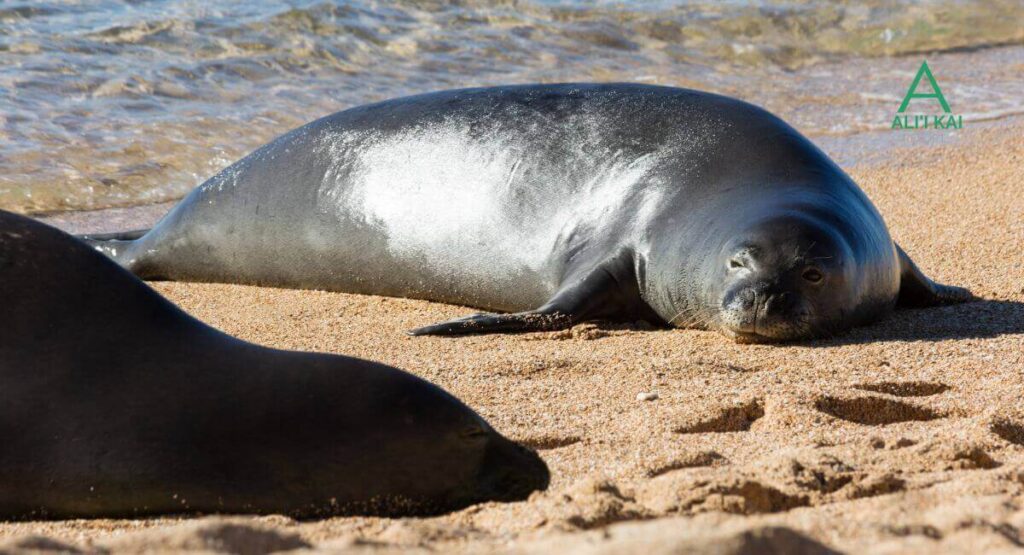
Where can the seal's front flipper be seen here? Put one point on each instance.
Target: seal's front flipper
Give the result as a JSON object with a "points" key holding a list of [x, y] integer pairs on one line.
{"points": [[917, 290], [609, 291], [534, 320]]}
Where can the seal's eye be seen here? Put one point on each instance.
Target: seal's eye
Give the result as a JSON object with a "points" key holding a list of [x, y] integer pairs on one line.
{"points": [[735, 263], [474, 432], [813, 275]]}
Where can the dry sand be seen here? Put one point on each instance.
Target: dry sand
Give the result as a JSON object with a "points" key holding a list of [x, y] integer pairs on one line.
{"points": [[906, 436]]}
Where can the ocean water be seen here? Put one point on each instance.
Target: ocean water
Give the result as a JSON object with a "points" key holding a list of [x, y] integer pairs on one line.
{"points": [[106, 103]]}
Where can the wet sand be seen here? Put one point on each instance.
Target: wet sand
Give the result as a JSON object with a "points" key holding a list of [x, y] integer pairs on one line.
{"points": [[905, 436]]}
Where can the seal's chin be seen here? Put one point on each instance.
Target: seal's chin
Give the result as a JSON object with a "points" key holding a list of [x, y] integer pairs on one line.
{"points": [[747, 319], [751, 337], [744, 337], [774, 334]]}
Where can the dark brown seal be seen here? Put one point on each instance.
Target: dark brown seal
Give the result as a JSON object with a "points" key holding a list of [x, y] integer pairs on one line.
{"points": [[116, 403]]}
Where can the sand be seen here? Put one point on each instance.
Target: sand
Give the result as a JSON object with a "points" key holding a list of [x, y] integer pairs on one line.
{"points": [[906, 436]]}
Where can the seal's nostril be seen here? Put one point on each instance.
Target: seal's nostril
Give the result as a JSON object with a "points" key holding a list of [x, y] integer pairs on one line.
{"points": [[777, 304], [748, 300]]}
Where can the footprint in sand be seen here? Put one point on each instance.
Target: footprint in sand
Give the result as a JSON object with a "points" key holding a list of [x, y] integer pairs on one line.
{"points": [[1008, 430], [874, 411], [905, 389], [691, 460], [736, 418], [547, 442]]}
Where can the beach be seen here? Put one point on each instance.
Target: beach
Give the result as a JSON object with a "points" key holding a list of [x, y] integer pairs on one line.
{"points": [[906, 436]]}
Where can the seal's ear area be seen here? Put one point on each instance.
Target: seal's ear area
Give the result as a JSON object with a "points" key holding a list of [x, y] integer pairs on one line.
{"points": [[608, 291], [917, 290]]}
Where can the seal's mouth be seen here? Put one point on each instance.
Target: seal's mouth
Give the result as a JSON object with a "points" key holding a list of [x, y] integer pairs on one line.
{"points": [[770, 332], [511, 472], [750, 317]]}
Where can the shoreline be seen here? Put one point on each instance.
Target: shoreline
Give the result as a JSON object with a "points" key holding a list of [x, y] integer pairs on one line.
{"points": [[905, 436], [864, 149]]}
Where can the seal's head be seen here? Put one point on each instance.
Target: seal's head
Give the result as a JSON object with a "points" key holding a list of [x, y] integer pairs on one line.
{"points": [[801, 263], [430, 452], [785, 277]]}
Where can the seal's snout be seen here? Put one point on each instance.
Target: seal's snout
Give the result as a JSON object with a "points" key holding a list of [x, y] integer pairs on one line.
{"points": [[759, 312], [760, 304], [512, 472]]}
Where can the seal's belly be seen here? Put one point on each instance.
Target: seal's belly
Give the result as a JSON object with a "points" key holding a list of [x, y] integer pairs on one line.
{"points": [[481, 221], [486, 204], [464, 219]]}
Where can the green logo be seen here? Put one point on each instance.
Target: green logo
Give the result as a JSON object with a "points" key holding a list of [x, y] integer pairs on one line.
{"points": [[946, 120]]}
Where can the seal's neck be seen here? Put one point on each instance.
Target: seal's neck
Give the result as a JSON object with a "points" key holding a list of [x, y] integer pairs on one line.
{"points": [[675, 277]]}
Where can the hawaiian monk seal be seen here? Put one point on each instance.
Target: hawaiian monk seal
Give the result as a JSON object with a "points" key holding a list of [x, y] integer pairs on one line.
{"points": [[558, 203], [118, 404]]}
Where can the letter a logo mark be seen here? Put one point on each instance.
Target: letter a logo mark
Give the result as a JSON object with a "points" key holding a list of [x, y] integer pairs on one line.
{"points": [[924, 72]]}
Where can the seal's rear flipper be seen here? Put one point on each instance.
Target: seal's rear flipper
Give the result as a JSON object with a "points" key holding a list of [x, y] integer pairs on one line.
{"points": [[115, 236], [114, 245], [112, 248], [917, 290], [609, 291]]}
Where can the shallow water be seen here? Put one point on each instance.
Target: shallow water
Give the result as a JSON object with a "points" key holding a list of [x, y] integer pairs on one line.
{"points": [[121, 103]]}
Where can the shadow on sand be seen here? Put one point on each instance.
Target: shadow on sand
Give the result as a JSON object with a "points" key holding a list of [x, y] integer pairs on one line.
{"points": [[975, 320], [981, 319]]}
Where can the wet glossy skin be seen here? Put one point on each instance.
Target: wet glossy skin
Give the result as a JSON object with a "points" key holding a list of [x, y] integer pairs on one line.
{"points": [[568, 202], [474, 197], [116, 403]]}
